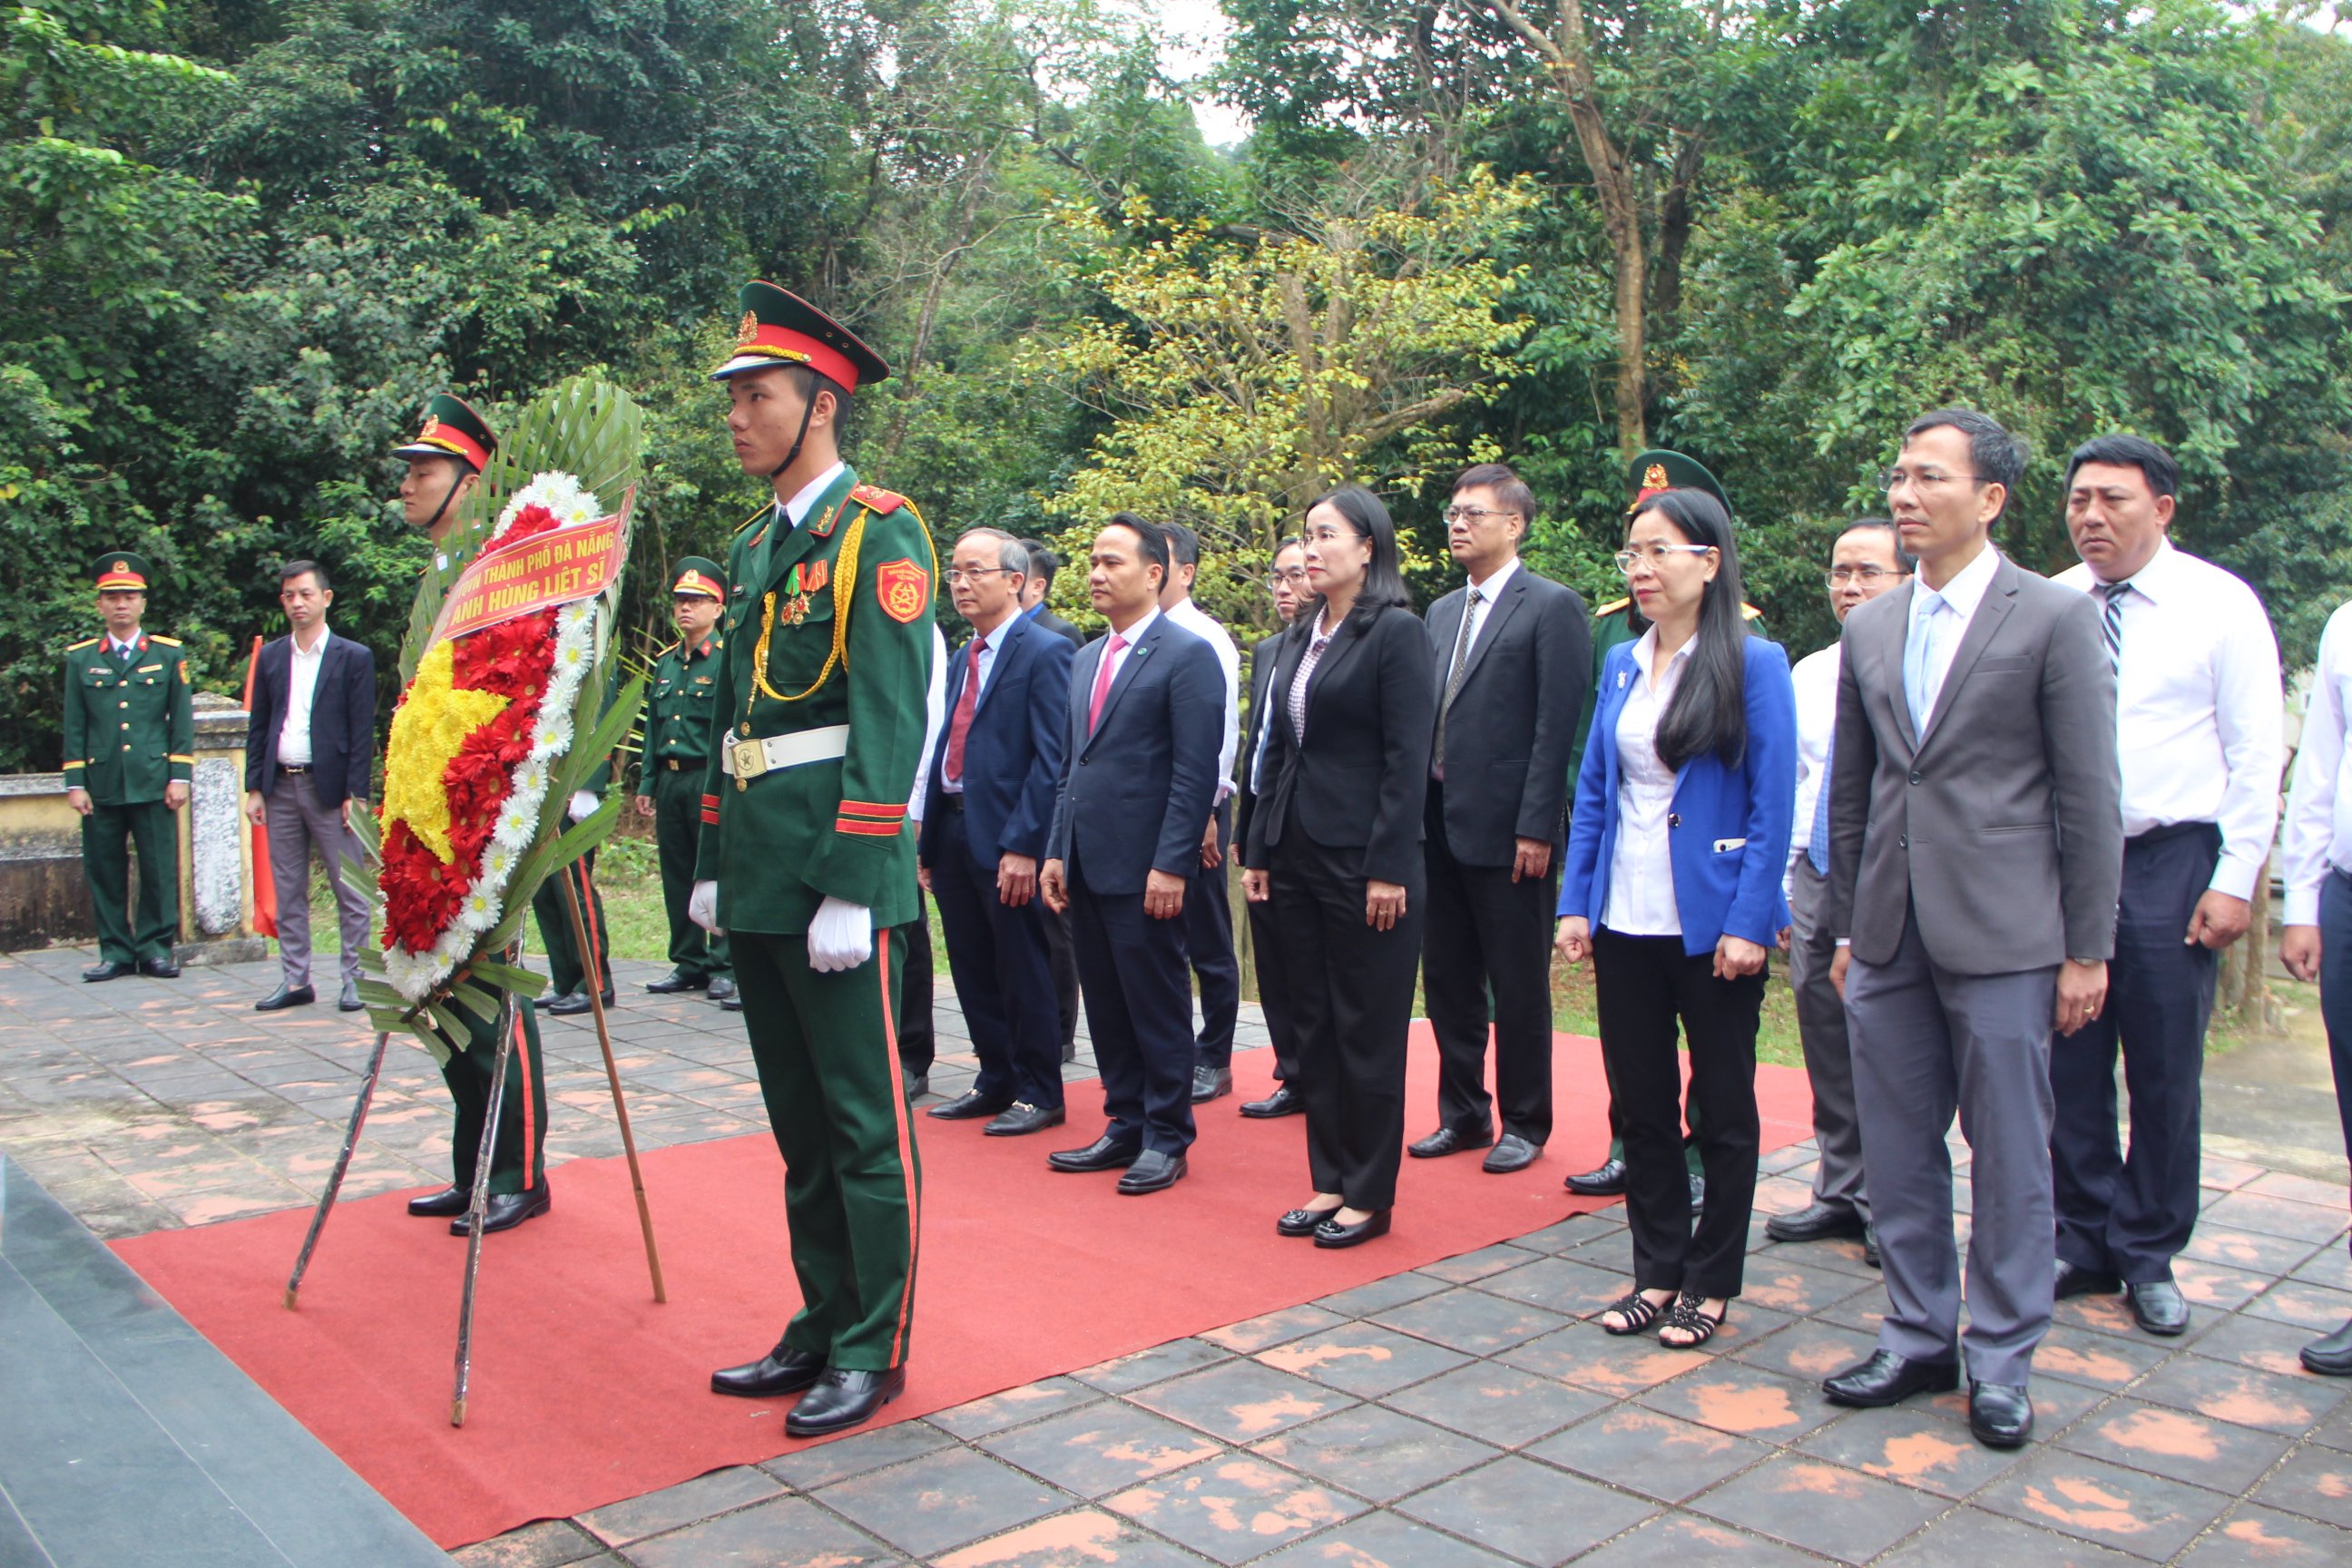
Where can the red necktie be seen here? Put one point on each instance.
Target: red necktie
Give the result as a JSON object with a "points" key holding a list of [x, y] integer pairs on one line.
{"points": [[961, 726], [1102, 680]]}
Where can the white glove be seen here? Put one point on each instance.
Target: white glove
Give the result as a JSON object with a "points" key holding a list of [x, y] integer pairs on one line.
{"points": [[840, 936], [702, 909], [583, 806]]}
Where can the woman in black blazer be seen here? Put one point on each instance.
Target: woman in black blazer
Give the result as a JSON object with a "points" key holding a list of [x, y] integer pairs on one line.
{"points": [[1333, 838]]}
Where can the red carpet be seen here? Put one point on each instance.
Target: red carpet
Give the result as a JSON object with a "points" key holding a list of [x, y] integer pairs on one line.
{"points": [[585, 1393]]}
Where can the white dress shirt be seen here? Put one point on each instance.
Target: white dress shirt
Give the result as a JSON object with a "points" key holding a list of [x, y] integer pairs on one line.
{"points": [[1955, 605], [978, 677], [935, 710], [1478, 613], [1816, 680], [2319, 812], [2198, 713], [1641, 864], [302, 686], [1197, 621], [796, 510]]}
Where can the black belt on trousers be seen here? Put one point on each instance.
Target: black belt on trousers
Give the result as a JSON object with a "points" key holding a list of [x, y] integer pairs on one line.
{"points": [[293, 767], [2171, 830]]}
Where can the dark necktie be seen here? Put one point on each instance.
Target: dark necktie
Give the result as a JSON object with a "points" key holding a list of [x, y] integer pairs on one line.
{"points": [[2111, 624], [1453, 680]]}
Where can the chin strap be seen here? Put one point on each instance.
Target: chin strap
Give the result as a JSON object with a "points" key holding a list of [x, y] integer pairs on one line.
{"points": [[451, 495], [807, 410]]}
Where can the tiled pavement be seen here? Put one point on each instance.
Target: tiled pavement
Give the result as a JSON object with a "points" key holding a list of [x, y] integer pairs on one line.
{"points": [[1462, 1414]]}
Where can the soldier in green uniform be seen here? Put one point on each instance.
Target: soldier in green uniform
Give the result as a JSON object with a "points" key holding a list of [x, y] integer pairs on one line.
{"points": [[568, 968], [131, 740], [1616, 622], [805, 861], [677, 727], [445, 462]]}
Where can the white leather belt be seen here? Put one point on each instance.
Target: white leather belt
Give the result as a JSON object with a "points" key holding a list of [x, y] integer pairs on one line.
{"points": [[750, 759]]}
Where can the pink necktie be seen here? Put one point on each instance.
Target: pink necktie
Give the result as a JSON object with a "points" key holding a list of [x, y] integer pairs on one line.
{"points": [[960, 726], [1102, 680]]}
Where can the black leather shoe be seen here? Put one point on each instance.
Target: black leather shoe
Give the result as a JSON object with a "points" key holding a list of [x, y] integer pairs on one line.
{"points": [[1152, 1172], [916, 1084], [1698, 1195], [508, 1210], [968, 1107], [1814, 1222], [1511, 1153], [2000, 1413], [160, 968], [1449, 1141], [1211, 1083], [1890, 1379], [1105, 1153], [448, 1201], [675, 981], [110, 970], [2073, 1281], [731, 1003], [781, 1371], [2331, 1357], [1302, 1222], [349, 1002], [1606, 1180], [1870, 1246], [2159, 1307], [286, 996], [1021, 1117], [1283, 1101], [719, 988], [569, 1005], [1331, 1233], [841, 1399]]}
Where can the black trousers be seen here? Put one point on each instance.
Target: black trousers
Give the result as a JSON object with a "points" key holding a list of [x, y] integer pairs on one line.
{"points": [[1646, 984], [1004, 979], [1352, 990], [1062, 962], [2131, 1213], [1209, 939], [917, 1043], [1489, 935], [1139, 1011], [1273, 989]]}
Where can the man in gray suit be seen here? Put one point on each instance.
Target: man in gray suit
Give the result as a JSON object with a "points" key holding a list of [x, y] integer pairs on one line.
{"points": [[1976, 851]]}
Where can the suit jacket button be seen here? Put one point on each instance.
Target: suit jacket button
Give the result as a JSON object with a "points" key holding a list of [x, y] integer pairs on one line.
{"points": [[1904, 842], [1674, 819], [1915, 778]]}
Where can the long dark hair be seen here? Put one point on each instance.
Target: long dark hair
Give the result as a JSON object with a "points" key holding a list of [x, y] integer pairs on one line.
{"points": [[1709, 711], [1384, 586]]}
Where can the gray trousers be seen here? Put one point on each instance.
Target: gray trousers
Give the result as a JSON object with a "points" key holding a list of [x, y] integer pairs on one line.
{"points": [[298, 824], [1829, 1064], [1928, 1042]]}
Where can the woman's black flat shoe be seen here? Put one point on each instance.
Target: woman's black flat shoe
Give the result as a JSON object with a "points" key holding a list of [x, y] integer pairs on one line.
{"points": [[1331, 1233], [1302, 1222]]}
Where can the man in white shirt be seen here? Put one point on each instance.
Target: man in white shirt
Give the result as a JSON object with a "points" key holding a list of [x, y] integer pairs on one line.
{"points": [[2317, 848], [1209, 909], [2197, 737], [1867, 560]]}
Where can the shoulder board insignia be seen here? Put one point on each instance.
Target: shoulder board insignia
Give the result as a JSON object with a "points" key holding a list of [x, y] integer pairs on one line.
{"points": [[1749, 611], [148, 669], [1612, 606], [671, 649], [832, 520], [77, 647], [165, 642], [876, 498], [903, 589]]}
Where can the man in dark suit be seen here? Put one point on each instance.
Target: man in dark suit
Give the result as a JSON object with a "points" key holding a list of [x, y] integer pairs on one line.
{"points": [[988, 805], [1513, 656], [1042, 563], [1138, 778], [1209, 907], [306, 769], [1287, 584], [1976, 851]]}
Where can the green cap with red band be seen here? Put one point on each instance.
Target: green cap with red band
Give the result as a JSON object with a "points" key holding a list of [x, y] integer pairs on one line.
{"points": [[781, 327], [452, 430]]}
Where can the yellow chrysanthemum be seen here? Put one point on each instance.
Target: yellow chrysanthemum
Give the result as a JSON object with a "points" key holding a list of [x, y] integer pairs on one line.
{"points": [[426, 733]]}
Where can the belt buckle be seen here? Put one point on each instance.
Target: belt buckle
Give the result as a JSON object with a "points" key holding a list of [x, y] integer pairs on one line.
{"points": [[751, 760]]}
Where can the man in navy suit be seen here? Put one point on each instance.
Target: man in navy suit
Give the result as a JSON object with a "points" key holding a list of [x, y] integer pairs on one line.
{"points": [[1139, 780], [306, 770], [988, 805]]}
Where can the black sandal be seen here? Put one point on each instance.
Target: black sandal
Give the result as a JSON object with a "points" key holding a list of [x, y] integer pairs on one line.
{"points": [[1637, 1310], [1688, 1317]]}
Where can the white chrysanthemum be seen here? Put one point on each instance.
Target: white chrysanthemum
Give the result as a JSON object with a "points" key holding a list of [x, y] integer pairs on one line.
{"points": [[577, 613], [517, 824], [498, 864], [572, 660], [529, 777], [479, 911]]}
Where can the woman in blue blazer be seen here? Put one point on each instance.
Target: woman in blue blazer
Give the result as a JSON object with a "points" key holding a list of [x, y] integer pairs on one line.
{"points": [[1673, 883]]}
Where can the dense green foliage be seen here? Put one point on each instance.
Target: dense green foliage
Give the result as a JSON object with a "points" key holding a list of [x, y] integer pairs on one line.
{"points": [[242, 240]]}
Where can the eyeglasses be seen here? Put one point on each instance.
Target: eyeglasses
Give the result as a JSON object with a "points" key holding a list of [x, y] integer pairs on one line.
{"points": [[1839, 576], [973, 575], [1296, 575], [1924, 480], [1658, 555], [1473, 515]]}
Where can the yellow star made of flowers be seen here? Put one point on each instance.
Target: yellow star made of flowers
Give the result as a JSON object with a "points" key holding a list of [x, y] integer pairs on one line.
{"points": [[426, 732]]}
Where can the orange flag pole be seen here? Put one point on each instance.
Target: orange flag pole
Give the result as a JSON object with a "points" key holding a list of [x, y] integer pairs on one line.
{"points": [[265, 888]]}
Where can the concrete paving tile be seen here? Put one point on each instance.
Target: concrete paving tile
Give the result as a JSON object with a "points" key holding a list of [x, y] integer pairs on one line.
{"points": [[2335, 1432], [959, 1496], [1013, 1407], [1240, 1400], [1808, 1350], [1821, 1508], [1863, 1310], [2298, 1189], [1686, 1541], [1587, 1356], [2180, 1444], [1253, 1334], [1101, 1448], [1557, 1284], [784, 1532], [550, 1543], [2217, 1287], [1463, 1268], [2103, 1360], [1471, 1321], [1081, 1538], [819, 1464], [1645, 1452], [1745, 1401], [1233, 1507], [1613, 1251], [1971, 1538], [1575, 1232], [1362, 1359], [2287, 1405], [1911, 1446], [720, 1491], [2252, 1534], [2313, 1307], [1497, 1405], [2262, 1343], [2330, 1266], [2145, 1515], [2247, 1210], [2101, 1314], [1379, 1295], [2315, 1483], [1527, 1510], [1157, 1364], [1374, 1452], [1381, 1540], [1785, 1285], [2248, 1250]]}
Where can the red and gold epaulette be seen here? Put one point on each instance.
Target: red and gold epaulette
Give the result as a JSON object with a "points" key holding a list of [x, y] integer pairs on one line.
{"points": [[167, 642], [877, 499], [77, 647]]}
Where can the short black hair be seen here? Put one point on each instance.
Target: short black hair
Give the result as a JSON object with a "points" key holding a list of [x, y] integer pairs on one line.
{"points": [[1998, 457], [1044, 562], [1154, 537], [293, 569], [1505, 481], [2121, 451], [1903, 558], [1183, 545]]}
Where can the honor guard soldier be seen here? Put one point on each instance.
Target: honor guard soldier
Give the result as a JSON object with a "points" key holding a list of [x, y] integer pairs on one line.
{"points": [[805, 861], [130, 745], [677, 749], [1618, 622], [445, 462]]}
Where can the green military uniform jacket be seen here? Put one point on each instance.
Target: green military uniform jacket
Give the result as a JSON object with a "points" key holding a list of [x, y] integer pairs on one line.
{"points": [[679, 705], [130, 726], [827, 624]]}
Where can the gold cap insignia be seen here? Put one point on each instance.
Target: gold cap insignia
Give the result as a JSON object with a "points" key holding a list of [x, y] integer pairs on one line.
{"points": [[748, 330], [1655, 477], [121, 566], [432, 428]]}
